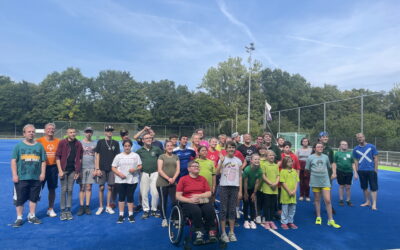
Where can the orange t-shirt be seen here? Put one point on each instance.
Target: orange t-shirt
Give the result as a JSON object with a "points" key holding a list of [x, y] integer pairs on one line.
{"points": [[51, 148]]}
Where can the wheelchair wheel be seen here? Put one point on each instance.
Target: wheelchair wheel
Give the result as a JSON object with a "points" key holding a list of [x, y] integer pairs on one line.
{"points": [[175, 225]]}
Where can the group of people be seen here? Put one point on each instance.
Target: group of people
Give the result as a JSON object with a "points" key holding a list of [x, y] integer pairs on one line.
{"points": [[200, 175]]}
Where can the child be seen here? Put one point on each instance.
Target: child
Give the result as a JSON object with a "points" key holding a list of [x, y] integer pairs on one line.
{"points": [[230, 189], [251, 182], [269, 189], [289, 179], [318, 165]]}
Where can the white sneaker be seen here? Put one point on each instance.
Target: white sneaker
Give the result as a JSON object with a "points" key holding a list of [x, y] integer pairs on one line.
{"points": [[262, 220], [51, 213], [164, 223], [246, 224], [110, 210], [224, 237], [99, 210], [258, 219], [301, 198], [253, 225], [237, 213]]}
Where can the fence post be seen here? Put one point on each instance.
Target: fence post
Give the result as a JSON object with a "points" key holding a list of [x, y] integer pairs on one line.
{"points": [[387, 157]]}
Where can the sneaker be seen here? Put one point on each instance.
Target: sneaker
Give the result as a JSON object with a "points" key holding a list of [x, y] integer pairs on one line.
{"points": [[34, 220], [199, 238], [63, 216], [292, 226], [262, 220], [120, 219], [266, 225], [81, 211], [138, 208], [164, 223], [99, 211], [301, 198], [318, 221], [232, 237], [341, 203], [109, 210], [131, 218], [212, 236], [308, 199], [69, 215], [284, 226], [87, 210], [272, 225], [145, 215], [333, 224], [224, 237], [18, 223], [349, 203], [246, 224], [253, 225], [51, 213], [155, 214], [258, 219], [237, 214]]}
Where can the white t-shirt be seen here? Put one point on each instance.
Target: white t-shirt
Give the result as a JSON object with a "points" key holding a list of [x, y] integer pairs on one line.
{"points": [[123, 162], [230, 172]]}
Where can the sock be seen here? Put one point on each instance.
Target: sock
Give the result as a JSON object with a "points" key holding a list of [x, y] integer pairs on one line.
{"points": [[130, 213], [19, 217], [121, 213], [31, 215]]}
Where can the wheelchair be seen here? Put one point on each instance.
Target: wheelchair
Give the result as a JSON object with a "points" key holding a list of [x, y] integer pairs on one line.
{"points": [[180, 226]]}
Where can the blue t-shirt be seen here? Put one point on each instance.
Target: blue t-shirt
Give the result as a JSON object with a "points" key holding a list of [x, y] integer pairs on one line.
{"points": [[365, 157], [185, 155]]}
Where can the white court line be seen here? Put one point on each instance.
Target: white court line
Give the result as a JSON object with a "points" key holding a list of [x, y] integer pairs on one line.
{"points": [[285, 239], [4, 162], [279, 235]]}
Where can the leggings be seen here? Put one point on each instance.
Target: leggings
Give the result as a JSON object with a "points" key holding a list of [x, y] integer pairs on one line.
{"points": [[249, 204], [196, 213], [125, 191], [163, 193], [67, 184], [270, 201], [228, 196]]}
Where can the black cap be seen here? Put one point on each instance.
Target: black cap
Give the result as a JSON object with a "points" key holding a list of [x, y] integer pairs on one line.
{"points": [[123, 132], [109, 128], [88, 129]]}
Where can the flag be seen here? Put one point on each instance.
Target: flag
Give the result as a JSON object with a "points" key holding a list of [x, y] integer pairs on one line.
{"points": [[267, 111]]}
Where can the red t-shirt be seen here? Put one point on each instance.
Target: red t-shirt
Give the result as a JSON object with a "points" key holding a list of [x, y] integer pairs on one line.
{"points": [[237, 154], [296, 163], [214, 156], [189, 186]]}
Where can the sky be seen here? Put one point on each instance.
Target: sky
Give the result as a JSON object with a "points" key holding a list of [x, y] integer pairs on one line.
{"points": [[350, 44]]}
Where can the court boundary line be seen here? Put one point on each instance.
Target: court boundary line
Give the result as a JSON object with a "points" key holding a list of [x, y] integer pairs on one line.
{"points": [[294, 245]]}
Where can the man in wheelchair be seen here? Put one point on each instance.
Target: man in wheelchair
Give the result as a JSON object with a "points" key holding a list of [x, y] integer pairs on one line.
{"points": [[193, 193]]}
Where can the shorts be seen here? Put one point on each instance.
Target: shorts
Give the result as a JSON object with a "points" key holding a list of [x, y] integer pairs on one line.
{"points": [[86, 176], [344, 178], [51, 177], [27, 190], [106, 177], [370, 177], [319, 189]]}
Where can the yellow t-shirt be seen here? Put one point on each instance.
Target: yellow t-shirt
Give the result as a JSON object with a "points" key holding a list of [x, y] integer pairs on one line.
{"points": [[271, 171], [207, 170], [290, 178]]}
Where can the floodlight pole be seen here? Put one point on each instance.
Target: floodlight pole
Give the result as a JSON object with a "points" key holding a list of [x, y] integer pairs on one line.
{"points": [[362, 114], [249, 49]]}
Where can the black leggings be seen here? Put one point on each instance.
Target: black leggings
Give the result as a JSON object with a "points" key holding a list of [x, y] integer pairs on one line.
{"points": [[163, 193], [251, 204], [196, 212], [269, 205], [126, 191]]}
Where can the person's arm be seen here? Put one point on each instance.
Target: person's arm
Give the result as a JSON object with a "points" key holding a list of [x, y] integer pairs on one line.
{"points": [[283, 184], [138, 134], [376, 163], [221, 161], [117, 172], [58, 161], [355, 174], [333, 170], [278, 179], [160, 170], [179, 196], [97, 164], [256, 187], [214, 183], [244, 164], [43, 171], [133, 170], [177, 171], [265, 179], [14, 170], [240, 187]]}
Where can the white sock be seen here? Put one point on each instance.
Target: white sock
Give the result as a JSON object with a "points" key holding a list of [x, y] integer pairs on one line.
{"points": [[19, 217], [121, 213], [130, 213], [31, 215]]}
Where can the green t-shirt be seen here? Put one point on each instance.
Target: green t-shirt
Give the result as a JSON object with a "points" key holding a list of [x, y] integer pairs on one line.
{"points": [[29, 160], [344, 161], [149, 158], [271, 171], [207, 170], [290, 178], [169, 168], [252, 175]]}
